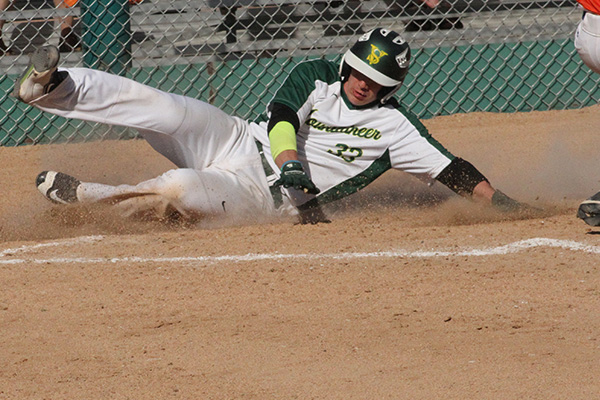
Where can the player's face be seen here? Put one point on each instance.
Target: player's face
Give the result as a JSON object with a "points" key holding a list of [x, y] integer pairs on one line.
{"points": [[361, 90]]}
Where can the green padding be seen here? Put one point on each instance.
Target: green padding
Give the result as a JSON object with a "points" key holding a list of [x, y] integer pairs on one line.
{"points": [[499, 78], [106, 35], [496, 77]]}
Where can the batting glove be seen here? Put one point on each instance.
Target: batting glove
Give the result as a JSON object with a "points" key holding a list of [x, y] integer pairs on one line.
{"points": [[293, 175], [505, 204]]}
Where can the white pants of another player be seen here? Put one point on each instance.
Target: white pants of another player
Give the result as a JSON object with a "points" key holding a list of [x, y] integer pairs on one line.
{"points": [[219, 172], [587, 41]]}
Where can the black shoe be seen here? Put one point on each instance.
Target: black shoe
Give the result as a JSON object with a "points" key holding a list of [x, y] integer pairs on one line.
{"points": [[589, 210], [450, 23], [432, 24], [4, 50], [58, 187], [69, 41]]}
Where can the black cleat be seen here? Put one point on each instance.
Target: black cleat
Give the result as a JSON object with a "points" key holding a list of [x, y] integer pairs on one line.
{"points": [[589, 210], [58, 187]]}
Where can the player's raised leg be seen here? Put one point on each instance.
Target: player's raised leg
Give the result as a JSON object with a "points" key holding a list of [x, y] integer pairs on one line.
{"points": [[189, 132]]}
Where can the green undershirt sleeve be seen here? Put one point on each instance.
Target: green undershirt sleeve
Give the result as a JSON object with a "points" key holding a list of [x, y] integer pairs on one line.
{"points": [[282, 137]]}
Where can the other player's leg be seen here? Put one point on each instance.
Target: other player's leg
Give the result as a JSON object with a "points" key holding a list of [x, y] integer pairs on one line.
{"points": [[587, 41]]}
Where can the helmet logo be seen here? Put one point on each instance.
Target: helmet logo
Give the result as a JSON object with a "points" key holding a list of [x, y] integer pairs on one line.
{"points": [[365, 36], [375, 55], [402, 59]]}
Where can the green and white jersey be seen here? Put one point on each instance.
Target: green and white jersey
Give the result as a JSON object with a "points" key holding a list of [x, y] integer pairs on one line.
{"points": [[342, 147]]}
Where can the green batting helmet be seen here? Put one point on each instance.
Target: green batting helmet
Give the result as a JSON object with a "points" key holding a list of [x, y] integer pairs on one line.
{"points": [[381, 55]]}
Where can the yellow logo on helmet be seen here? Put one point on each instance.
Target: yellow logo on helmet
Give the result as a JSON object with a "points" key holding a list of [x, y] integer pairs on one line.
{"points": [[375, 55]]}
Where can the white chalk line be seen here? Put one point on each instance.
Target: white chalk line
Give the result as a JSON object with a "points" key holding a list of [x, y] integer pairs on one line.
{"points": [[67, 242], [510, 248]]}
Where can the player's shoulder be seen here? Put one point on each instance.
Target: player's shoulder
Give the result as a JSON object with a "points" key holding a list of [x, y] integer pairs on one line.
{"points": [[318, 69], [394, 107]]}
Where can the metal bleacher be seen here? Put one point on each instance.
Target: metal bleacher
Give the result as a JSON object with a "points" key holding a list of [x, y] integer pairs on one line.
{"points": [[192, 31]]}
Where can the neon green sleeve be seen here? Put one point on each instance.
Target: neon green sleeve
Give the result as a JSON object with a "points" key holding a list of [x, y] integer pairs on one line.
{"points": [[282, 137]]}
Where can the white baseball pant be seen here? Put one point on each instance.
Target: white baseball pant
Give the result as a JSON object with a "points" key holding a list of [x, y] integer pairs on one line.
{"points": [[587, 41], [220, 170]]}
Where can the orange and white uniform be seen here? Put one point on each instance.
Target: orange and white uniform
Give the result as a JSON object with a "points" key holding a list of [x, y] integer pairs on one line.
{"points": [[587, 35]]}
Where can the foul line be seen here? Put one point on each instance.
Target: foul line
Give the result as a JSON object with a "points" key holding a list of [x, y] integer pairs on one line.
{"points": [[510, 248], [68, 242]]}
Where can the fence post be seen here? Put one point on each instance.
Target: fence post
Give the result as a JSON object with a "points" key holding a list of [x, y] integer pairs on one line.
{"points": [[106, 35]]}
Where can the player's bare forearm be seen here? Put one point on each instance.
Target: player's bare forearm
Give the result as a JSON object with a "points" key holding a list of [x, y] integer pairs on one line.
{"points": [[285, 156], [483, 191]]}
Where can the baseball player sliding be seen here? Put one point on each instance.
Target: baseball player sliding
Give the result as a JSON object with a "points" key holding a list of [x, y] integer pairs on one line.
{"points": [[331, 130], [587, 43]]}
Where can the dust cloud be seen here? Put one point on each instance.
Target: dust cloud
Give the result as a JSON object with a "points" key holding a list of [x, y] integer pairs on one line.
{"points": [[546, 159]]}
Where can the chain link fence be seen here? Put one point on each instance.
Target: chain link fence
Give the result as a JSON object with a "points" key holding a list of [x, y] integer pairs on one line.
{"points": [[496, 55]]}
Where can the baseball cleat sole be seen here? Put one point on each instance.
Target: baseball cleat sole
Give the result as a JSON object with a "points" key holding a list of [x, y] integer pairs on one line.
{"points": [[589, 210], [58, 187]]}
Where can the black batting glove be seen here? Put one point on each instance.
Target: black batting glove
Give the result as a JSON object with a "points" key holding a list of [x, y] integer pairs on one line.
{"points": [[505, 204], [293, 176]]}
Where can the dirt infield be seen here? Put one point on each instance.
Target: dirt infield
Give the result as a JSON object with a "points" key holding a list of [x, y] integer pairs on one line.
{"points": [[410, 293]]}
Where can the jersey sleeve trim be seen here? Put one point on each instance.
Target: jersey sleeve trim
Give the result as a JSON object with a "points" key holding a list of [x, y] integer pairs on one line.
{"points": [[352, 185]]}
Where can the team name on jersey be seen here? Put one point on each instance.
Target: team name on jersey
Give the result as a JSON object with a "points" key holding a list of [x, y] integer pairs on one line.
{"points": [[367, 133]]}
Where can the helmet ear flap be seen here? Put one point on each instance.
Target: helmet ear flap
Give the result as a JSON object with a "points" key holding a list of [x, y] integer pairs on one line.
{"points": [[385, 93]]}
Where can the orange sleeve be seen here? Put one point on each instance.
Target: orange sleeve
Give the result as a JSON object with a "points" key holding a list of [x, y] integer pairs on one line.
{"points": [[71, 3], [591, 5]]}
